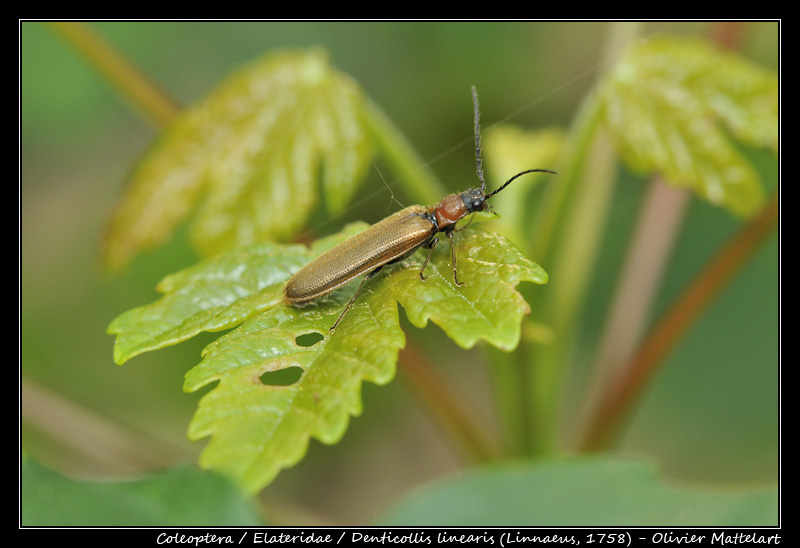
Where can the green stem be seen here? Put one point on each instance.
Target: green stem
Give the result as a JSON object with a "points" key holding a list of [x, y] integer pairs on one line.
{"points": [[566, 241], [550, 215], [412, 171], [524, 410], [526, 392], [570, 267], [526, 382], [509, 385], [131, 82]]}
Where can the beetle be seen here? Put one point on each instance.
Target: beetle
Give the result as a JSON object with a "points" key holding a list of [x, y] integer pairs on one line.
{"points": [[393, 239]]}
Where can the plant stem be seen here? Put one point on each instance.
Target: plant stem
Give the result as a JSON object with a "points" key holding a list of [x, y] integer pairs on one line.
{"points": [[446, 406], [572, 264], [566, 244], [680, 316], [659, 221], [528, 386], [133, 84], [412, 171], [563, 238], [658, 224], [509, 384]]}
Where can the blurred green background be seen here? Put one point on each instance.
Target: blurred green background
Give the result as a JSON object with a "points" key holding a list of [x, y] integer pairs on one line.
{"points": [[710, 416]]}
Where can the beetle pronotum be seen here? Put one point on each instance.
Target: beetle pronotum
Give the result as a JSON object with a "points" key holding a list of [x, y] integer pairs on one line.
{"points": [[393, 239]]}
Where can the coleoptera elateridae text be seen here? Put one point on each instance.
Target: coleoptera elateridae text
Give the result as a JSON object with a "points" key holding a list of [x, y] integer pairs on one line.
{"points": [[393, 239]]}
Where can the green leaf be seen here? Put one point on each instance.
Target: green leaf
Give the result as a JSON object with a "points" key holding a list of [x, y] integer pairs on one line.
{"points": [[596, 491], [259, 426], [182, 496], [216, 294], [671, 104], [487, 307], [245, 160]]}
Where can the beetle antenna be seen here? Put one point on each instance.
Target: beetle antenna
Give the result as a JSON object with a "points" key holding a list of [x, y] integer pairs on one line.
{"points": [[478, 159], [515, 176], [388, 187]]}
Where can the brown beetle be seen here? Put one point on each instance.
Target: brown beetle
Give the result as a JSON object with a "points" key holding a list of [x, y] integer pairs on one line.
{"points": [[392, 239]]}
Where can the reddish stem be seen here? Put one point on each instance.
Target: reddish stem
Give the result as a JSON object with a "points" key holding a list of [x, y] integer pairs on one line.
{"points": [[446, 406], [677, 320]]}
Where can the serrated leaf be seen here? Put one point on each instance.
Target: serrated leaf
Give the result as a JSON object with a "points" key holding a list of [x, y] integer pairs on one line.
{"points": [[487, 307], [245, 160], [595, 491], [258, 428], [669, 106], [216, 294]]}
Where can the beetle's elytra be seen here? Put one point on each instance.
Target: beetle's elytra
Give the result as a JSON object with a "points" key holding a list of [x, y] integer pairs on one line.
{"points": [[393, 239]]}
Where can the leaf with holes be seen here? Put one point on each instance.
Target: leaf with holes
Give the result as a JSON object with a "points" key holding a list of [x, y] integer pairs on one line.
{"points": [[216, 294], [668, 105], [245, 159], [259, 424], [259, 428]]}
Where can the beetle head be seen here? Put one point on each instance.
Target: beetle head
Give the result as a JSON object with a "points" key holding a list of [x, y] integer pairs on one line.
{"points": [[474, 200]]}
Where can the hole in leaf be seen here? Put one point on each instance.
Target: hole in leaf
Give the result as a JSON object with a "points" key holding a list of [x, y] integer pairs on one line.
{"points": [[282, 377], [309, 339]]}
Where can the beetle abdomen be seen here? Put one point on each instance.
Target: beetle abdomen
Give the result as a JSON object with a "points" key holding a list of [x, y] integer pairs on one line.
{"points": [[388, 240]]}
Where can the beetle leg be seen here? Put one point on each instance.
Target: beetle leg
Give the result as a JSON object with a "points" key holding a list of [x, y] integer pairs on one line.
{"points": [[453, 252], [353, 298], [471, 218], [430, 246]]}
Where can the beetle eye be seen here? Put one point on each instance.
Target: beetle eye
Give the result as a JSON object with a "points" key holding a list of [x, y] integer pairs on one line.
{"points": [[476, 204]]}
